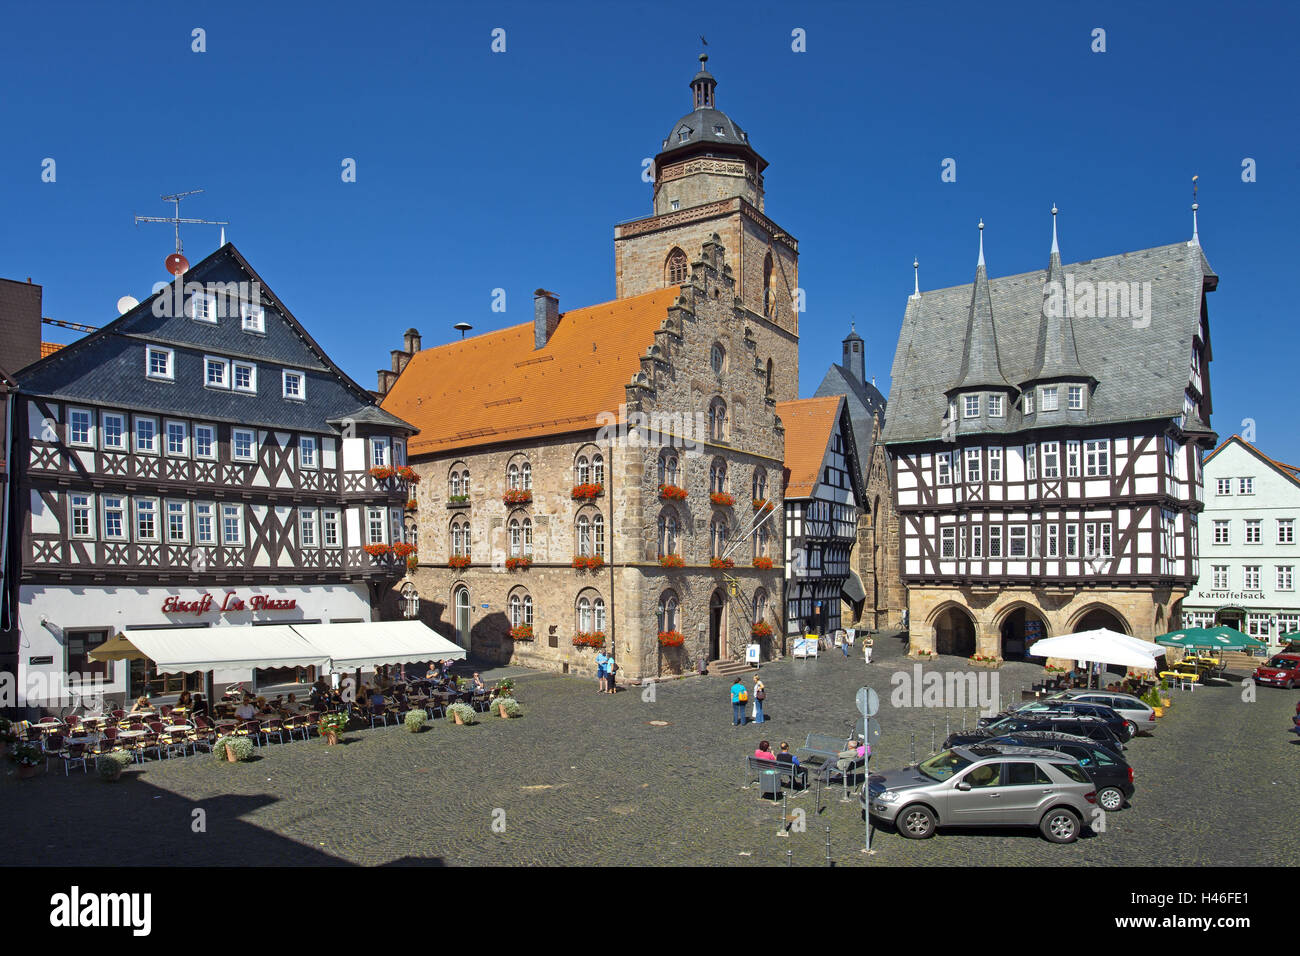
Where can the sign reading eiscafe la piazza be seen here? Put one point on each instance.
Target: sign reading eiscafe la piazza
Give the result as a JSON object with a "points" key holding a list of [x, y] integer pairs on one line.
{"points": [[231, 603]]}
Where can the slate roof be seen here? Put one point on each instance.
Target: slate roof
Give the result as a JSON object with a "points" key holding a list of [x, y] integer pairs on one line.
{"points": [[865, 403], [497, 387], [107, 367], [809, 424], [1141, 373], [701, 126]]}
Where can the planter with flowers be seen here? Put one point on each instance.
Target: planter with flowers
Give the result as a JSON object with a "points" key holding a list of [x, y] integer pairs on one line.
{"points": [[671, 638], [588, 563], [412, 563], [587, 492], [671, 561], [589, 639], [507, 707], [922, 653], [331, 727], [519, 564], [721, 564], [403, 549], [381, 474], [524, 632], [763, 564], [983, 660], [233, 748], [722, 499], [460, 713], [458, 562], [412, 504], [517, 496], [761, 629], [28, 758], [762, 505], [407, 474], [377, 550], [110, 766], [458, 501], [672, 493]]}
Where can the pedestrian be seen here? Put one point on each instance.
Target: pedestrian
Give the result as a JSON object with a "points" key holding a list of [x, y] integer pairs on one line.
{"points": [[602, 682], [760, 695], [867, 644], [764, 751], [739, 697], [611, 668]]}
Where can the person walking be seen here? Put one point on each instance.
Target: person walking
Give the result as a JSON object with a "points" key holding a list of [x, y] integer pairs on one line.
{"points": [[867, 644], [760, 695], [739, 697], [602, 682], [611, 682]]}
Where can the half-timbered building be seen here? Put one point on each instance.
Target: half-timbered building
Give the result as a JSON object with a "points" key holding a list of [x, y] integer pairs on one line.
{"points": [[823, 495], [198, 461], [1045, 434]]}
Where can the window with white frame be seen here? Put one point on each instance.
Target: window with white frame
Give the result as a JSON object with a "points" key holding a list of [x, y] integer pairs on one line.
{"points": [[375, 526], [1257, 625], [203, 307], [1071, 540], [159, 363], [943, 467], [995, 463], [947, 542], [1051, 460], [252, 317], [1072, 459], [526, 476], [1254, 531], [113, 431], [232, 525], [1053, 541], [995, 541], [146, 519], [1049, 398], [973, 465], [205, 441], [1219, 573], [395, 534], [295, 385], [976, 541], [379, 453], [307, 452], [1031, 462], [243, 442], [1074, 398], [1029, 402], [1245, 486], [113, 508], [399, 453], [178, 439], [81, 427], [1285, 578], [970, 407], [146, 435], [330, 527], [1096, 458], [307, 527], [1222, 533], [995, 406], [178, 523], [216, 372], [598, 470], [1286, 530], [1223, 486], [81, 517], [244, 377], [205, 522], [1250, 577], [1018, 544]]}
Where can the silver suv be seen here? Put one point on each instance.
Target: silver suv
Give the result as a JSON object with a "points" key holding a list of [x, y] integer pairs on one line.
{"points": [[986, 785], [1139, 716]]}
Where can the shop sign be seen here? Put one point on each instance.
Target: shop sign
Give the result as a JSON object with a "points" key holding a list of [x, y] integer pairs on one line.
{"points": [[230, 603]]}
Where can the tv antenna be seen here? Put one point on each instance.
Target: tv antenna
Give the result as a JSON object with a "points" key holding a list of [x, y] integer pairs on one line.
{"points": [[176, 263]]}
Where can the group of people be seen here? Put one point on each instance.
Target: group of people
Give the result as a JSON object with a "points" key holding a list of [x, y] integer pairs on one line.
{"points": [[740, 696], [606, 674]]}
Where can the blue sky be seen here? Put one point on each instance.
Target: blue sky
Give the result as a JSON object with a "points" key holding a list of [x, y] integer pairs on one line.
{"points": [[478, 170]]}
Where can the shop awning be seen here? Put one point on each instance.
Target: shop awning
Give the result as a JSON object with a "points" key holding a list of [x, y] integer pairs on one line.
{"points": [[225, 649], [368, 643]]}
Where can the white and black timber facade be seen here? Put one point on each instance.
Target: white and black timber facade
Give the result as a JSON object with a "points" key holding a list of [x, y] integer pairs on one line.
{"points": [[1045, 437], [198, 462]]}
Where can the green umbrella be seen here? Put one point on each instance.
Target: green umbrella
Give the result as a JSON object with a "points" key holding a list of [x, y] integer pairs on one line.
{"points": [[1221, 638]]}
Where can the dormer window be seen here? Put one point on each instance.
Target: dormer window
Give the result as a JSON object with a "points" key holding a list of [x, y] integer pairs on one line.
{"points": [[995, 406], [253, 317], [970, 406], [683, 134], [1075, 398], [159, 363], [718, 131], [1029, 402], [1049, 399], [295, 385], [203, 307]]}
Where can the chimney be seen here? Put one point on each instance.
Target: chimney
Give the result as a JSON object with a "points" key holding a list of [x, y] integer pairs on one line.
{"points": [[411, 341], [546, 316], [386, 380]]}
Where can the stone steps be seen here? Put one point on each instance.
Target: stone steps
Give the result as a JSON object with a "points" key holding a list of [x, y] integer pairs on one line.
{"points": [[722, 668]]}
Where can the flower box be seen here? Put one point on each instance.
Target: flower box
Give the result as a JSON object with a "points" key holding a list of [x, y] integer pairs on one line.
{"points": [[762, 504], [407, 473], [721, 564], [412, 505], [763, 564], [458, 561], [377, 550], [761, 629], [672, 561], [381, 473], [588, 492], [672, 493], [722, 499], [980, 660], [458, 501], [518, 564], [589, 639], [517, 496], [403, 549], [524, 632], [594, 563], [671, 638]]}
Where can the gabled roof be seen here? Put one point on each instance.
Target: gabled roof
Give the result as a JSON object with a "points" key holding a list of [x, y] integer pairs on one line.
{"points": [[1290, 472], [497, 387], [809, 424], [1142, 369], [107, 366], [865, 403]]}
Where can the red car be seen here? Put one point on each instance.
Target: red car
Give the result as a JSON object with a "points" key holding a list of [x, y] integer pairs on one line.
{"points": [[1282, 670]]}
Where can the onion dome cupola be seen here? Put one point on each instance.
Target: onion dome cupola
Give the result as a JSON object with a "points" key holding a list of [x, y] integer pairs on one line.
{"points": [[1059, 389], [980, 399]]}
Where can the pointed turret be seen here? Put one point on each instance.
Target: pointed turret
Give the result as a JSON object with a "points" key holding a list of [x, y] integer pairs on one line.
{"points": [[1057, 355], [980, 365]]}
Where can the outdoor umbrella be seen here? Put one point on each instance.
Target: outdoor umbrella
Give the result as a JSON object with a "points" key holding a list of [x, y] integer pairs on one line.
{"points": [[117, 649], [1100, 646], [1221, 638]]}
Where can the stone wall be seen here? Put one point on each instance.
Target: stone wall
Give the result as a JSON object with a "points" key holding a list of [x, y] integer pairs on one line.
{"points": [[876, 552]]}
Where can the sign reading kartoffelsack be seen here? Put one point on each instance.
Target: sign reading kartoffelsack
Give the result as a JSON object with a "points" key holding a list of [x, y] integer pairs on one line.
{"points": [[230, 604]]}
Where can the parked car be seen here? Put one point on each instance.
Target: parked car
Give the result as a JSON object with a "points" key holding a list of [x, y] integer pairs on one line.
{"points": [[1081, 725], [1109, 771], [985, 786], [1065, 705], [1138, 715], [1281, 670]]}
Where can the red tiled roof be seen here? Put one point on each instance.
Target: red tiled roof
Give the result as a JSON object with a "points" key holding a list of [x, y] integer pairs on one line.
{"points": [[497, 387], [49, 348], [809, 424]]}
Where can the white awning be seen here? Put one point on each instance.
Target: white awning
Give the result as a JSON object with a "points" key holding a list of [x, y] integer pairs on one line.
{"points": [[236, 648], [372, 643]]}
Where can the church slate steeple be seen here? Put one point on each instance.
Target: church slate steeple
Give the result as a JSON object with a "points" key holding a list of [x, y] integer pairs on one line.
{"points": [[1057, 356], [980, 365]]}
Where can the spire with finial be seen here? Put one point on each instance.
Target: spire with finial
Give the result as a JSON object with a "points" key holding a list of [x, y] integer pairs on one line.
{"points": [[981, 366], [1056, 251], [1056, 356], [1196, 238], [916, 278], [980, 263], [703, 86]]}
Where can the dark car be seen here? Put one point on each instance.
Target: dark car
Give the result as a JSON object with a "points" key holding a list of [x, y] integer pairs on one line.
{"points": [[1058, 706], [1081, 726], [1108, 770]]}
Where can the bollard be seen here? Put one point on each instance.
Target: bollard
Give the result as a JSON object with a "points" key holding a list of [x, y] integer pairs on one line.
{"points": [[946, 731], [932, 742], [963, 723], [783, 832], [828, 846], [789, 857], [913, 736]]}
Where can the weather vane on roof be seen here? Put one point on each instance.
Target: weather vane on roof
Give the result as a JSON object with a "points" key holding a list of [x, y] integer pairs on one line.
{"points": [[176, 263]]}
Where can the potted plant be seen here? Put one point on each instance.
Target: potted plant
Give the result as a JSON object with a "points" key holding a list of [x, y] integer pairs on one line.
{"points": [[376, 550], [763, 564], [407, 473], [761, 629], [461, 713], [584, 563], [523, 632], [721, 564], [403, 549], [507, 707], [671, 561], [455, 501], [517, 496], [722, 499], [381, 473], [672, 493], [506, 686], [110, 766], [671, 638], [587, 492], [589, 639], [415, 720], [518, 564], [458, 562], [28, 758], [331, 727], [232, 748], [412, 504]]}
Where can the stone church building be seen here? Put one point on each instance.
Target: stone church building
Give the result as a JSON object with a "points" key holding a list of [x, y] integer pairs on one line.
{"points": [[611, 476]]}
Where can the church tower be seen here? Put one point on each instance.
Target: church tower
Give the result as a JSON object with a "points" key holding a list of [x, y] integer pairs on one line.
{"points": [[708, 180]]}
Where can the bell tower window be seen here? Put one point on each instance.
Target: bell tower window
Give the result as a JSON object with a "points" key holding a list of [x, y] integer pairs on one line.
{"points": [[676, 268]]}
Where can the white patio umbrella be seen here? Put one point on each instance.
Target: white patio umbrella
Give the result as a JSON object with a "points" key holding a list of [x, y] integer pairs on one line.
{"points": [[1100, 646]]}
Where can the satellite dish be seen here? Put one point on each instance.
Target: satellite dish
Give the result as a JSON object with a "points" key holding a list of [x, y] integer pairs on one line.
{"points": [[176, 263], [126, 304]]}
